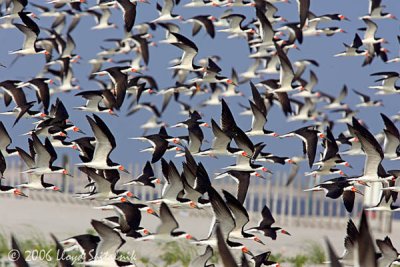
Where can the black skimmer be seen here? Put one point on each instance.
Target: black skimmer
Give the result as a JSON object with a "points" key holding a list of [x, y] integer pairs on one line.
{"points": [[195, 185], [201, 260], [220, 143], [167, 230], [373, 152], [245, 155], [172, 189], [142, 84], [102, 19], [375, 11], [211, 75], [388, 86], [6, 142], [166, 12], [129, 13], [36, 181], [44, 157], [106, 251], [351, 140], [98, 101], [12, 92], [270, 12], [129, 217], [330, 17], [86, 244], [304, 111], [224, 221], [309, 137], [267, 33], [31, 31], [366, 100], [265, 225], [336, 102], [386, 202], [231, 88], [325, 171], [235, 27], [308, 86], [286, 76], [196, 135], [334, 188], [41, 86], [330, 157], [204, 21], [65, 74], [146, 178], [263, 260], [160, 144], [119, 79], [392, 139], [353, 49], [369, 36], [105, 188], [190, 51], [97, 64], [5, 189], [17, 6], [105, 144], [260, 114], [241, 218], [145, 106]]}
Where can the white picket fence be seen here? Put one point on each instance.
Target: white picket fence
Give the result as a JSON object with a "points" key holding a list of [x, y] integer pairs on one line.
{"points": [[290, 205]]}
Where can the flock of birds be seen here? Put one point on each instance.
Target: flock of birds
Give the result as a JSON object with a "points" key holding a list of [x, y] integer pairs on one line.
{"points": [[269, 37]]}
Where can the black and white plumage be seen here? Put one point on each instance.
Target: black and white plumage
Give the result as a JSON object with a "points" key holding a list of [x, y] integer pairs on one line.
{"points": [[105, 144], [110, 242], [337, 187], [31, 31], [309, 137], [146, 178], [265, 225], [129, 13]]}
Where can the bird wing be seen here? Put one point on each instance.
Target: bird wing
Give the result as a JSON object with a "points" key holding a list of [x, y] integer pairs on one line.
{"points": [[222, 214], [5, 139], [110, 240], [42, 156], [30, 36], [267, 218], [239, 212], [102, 185], [258, 119], [168, 221], [105, 141], [174, 186], [221, 140]]}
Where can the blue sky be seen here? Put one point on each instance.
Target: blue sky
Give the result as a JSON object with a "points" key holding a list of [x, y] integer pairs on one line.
{"points": [[333, 73]]}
